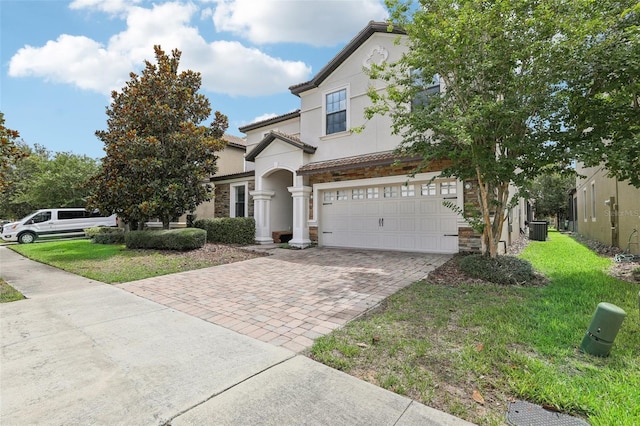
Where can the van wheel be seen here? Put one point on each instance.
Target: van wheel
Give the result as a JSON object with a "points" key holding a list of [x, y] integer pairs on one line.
{"points": [[26, 238]]}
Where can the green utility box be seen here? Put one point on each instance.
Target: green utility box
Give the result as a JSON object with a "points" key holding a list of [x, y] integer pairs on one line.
{"points": [[603, 329], [538, 230]]}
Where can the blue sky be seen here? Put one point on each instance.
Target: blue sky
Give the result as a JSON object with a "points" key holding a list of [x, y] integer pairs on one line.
{"points": [[61, 59]]}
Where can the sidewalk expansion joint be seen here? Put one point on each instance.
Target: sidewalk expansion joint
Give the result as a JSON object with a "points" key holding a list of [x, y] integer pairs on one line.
{"points": [[168, 422]]}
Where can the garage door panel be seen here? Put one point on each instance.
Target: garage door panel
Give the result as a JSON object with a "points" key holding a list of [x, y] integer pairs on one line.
{"points": [[429, 206], [411, 223]]}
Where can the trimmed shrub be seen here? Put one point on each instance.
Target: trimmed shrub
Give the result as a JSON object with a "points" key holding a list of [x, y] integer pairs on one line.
{"points": [[505, 270], [166, 239], [105, 235], [229, 230], [92, 232]]}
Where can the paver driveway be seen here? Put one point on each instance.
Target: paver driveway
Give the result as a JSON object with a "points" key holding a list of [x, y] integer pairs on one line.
{"points": [[291, 297]]}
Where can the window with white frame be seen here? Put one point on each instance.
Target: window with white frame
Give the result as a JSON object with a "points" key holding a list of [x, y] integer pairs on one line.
{"points": [[584, 204], [336, 111], [328, 196], [593, 201], [357, 194], [425, 89], [408, 190], [428, 189], [447, 188], [390, 191], [372, 192], [341, 195], [239, 201]]}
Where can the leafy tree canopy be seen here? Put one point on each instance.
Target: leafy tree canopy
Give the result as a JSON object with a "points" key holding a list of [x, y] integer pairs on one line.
{"points": [[10, 153], [496, 119], [602, 59], [46, 180], [157, 152], [550, 194], [503, 114]]}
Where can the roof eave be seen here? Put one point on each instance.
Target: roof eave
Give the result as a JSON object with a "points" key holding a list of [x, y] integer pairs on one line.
{"points": [[358, 40]]}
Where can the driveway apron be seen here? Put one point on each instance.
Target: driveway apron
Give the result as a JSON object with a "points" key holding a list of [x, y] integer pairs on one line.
{"points": [[291, 297]]}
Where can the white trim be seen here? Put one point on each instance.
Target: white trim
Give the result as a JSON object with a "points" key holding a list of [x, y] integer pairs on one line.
{"points": [[232, 198], [593, 201], [324, 110]]}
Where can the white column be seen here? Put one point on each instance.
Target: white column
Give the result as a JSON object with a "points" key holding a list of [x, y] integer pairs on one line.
{"points": [[300, 216], [262, 215]]}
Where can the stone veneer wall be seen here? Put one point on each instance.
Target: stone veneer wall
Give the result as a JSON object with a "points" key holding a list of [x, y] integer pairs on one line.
{"points": [[223, 199], [469, 241]]}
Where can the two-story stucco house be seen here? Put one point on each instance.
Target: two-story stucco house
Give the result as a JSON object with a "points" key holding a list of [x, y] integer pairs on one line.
{"points": [[320, 181]]}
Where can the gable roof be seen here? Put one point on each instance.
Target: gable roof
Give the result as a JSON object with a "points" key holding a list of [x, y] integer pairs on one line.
{"points": [[273, 135], [269, 121], [235, 141], [372, 28]]}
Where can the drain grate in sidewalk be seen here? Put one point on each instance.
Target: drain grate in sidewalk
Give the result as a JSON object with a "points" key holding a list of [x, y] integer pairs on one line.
{"points": [[522, 413]]}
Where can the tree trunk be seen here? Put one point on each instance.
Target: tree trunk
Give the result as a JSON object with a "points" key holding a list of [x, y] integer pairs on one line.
{"points": [[492, 230], [166, 221]]}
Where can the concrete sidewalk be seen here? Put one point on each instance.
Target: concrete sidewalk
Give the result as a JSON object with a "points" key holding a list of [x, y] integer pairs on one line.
{"points": [[82, 352]]}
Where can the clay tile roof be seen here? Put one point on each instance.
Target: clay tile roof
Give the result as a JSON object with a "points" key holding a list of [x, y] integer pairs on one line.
{"points": [[269, 121], [235, 141], [359, 161], [273, 135]]}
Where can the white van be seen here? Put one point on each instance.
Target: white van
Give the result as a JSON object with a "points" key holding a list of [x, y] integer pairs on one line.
{"points": [[55, 223]]}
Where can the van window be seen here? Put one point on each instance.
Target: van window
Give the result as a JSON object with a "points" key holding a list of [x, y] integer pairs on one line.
{"points": [[41, 217], [72, 214]]}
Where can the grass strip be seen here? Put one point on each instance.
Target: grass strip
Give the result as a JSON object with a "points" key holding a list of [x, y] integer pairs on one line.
{"points": [[451, 346], [8, 293], [108, 263]]}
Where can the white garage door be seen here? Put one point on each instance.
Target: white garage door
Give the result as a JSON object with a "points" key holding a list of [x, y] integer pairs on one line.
{"points": [[390, 217]]}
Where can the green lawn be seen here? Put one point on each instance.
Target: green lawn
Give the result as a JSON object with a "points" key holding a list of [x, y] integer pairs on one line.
{"points": [[8, 293], [106, 262], [470, 348]]}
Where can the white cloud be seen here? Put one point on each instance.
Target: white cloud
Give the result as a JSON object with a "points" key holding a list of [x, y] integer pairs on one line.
{"points": [[75, 60], [264, 117], [313, 22], [227, 67], [108, 6]]}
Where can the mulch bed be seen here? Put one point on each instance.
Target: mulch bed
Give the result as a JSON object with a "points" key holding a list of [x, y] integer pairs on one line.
{"points": [[450, 274]]}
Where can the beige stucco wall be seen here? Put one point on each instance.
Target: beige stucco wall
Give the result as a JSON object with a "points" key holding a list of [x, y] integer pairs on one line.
{"points": [[601, 222], [289, 127], [376, 135], [230, 160]]}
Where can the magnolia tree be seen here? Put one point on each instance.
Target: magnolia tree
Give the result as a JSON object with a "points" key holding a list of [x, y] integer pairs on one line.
{"points": [[497, 119], [158, 153], [11, 152]]}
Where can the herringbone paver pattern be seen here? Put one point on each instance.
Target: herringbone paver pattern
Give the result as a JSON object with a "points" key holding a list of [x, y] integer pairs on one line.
{"points": [[292, 297]]}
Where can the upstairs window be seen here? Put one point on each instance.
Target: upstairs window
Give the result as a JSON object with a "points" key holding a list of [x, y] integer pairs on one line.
{"points": [[426, 89], [336, 107]]}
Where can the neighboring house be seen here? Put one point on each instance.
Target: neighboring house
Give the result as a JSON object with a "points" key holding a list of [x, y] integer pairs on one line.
{"points": [[319, 181], [230, 161], [606, 209]]}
